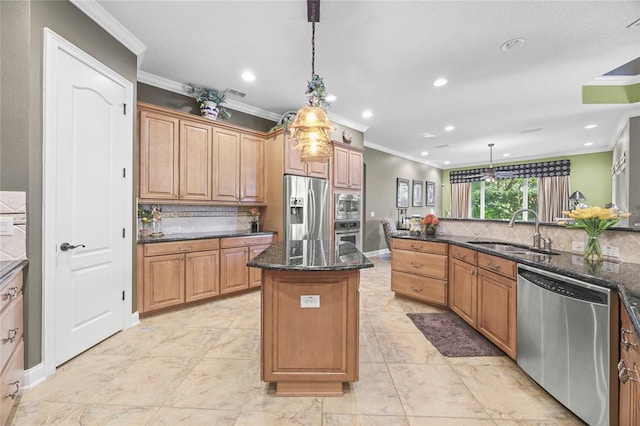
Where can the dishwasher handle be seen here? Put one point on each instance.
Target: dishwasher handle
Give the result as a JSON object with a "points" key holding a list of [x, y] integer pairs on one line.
{"points": [[564, 288]]}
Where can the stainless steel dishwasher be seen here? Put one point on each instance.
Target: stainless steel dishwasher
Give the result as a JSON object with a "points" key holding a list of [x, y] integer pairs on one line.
{"points": [[564, 338]]}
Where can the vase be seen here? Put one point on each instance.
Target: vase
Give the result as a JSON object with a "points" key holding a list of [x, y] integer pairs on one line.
{"points": [[430, 231], [209, 110], [255, 227], [593, 250]]}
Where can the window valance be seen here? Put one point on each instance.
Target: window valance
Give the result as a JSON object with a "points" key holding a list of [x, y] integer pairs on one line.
{"points": [[541, 169]]}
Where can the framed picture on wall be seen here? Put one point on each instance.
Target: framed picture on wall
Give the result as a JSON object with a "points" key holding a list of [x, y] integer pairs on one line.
{"points": [[402, 193], [417, 194], [431, 193]]}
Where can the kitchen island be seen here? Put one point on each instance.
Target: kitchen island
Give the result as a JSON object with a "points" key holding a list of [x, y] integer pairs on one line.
{"points": [[310, 316]]}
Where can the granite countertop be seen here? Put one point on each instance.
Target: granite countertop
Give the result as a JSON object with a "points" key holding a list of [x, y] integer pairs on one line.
{"points": [[7, 267], [311, 255], [201, 236], [620, 276]]}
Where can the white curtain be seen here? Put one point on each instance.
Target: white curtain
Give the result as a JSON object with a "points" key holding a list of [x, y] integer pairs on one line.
{"points": [[553, 197], [460, 200]]}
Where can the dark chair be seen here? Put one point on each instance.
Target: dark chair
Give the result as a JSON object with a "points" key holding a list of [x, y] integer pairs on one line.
{"points": [[389, 228]]}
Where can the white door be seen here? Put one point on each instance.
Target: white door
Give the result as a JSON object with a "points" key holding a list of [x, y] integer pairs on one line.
{"points": [[88, 208]]}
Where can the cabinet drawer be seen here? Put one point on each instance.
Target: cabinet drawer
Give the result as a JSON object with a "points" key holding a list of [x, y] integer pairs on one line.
{"points": [[10, 329], [425, 264], [497, 264], [421, 246], [13, 372], [155, 249], [11, 290], [427, 289], [246, 241], [464, 254]]}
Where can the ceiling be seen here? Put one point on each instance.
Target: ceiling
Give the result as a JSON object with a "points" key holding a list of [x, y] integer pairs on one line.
{"points": [[384, 56]]}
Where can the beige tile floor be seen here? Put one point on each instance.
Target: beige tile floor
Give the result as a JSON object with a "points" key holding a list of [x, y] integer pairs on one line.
{"points": [[200, 366]]}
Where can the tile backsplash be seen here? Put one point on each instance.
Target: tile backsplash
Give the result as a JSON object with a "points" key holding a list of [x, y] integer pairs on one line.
{"points": [[627, 242], [13, 217]]}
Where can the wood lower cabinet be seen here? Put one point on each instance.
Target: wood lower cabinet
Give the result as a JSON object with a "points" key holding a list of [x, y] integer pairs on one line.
{"points": [[175, 273], [235, 252], [482, 291], [11, 342], [628, 372], [419, 270]]}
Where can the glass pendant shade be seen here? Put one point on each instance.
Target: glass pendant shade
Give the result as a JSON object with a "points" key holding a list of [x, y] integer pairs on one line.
{"points": [[312, 129]]}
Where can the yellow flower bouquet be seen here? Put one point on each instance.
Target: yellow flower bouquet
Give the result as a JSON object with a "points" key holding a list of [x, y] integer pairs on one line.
{"points": [[594, 220]]}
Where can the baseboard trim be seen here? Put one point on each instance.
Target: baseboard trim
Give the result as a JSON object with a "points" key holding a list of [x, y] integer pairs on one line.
{"points": [[134, 320], [34, 376]]}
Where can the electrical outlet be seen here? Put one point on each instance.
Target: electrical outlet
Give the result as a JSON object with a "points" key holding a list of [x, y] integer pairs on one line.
{"points": [[577, 246], [610, 251], [310, 301], [6, 225], [373, 214]]}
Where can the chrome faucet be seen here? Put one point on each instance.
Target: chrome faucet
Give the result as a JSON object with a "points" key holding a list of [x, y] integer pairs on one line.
{"points": [[536, 234]]}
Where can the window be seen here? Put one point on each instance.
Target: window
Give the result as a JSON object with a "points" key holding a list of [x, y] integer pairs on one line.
{"points": [[499, 199]]}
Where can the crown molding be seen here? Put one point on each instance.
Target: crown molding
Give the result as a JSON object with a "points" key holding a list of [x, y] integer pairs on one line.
{"points": [[93, 10], [336, 118], [381, 148], [614, 80]]}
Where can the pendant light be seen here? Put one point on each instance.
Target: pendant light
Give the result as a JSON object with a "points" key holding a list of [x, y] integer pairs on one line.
{"points": [[311, 127]]}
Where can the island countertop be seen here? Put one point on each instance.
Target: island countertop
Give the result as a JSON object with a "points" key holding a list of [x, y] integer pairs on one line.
{"points": [[310, 255]]}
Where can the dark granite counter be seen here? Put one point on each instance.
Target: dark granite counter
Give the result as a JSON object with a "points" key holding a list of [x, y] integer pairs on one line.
{"points": [[7, 267], [200, 236], [621, 276], [311, 255]]}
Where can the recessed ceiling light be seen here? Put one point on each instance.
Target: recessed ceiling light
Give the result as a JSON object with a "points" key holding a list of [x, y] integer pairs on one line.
{"points": [[512, 44], [331, 98], [367, 114], [447, 162], [440, 82], [449, 128], [424, 153], [588, 143], [506, 154], [428, 135], [591, 126], [248, 76]]}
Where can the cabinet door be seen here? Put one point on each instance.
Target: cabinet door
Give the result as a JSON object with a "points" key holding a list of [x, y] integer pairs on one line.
{"points": [[202, 275], [629, 398], [292, 163], [226, 163], [497, 310], [195, 161], [163, 281], [251, 169], [255, 274], [159, 154], [340, 167], [463, 290], [234, 274], [355, 170], [318, 170]]}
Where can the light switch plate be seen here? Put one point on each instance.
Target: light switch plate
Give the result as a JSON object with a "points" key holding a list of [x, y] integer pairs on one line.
{"points": [[6, 225], [310, 301]]}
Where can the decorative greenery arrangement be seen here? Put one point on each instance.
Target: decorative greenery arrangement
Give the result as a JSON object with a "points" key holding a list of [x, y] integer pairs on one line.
{"points": [[316, 92], [145, 215], [256, 215], [203, 94], [594, 220]]}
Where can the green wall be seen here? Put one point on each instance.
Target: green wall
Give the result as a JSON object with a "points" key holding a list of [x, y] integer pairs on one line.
{"points": [[590, 174]]}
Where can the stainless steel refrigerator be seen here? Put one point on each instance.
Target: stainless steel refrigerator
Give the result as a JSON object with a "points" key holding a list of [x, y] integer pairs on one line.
{"points": [[306, 208]]}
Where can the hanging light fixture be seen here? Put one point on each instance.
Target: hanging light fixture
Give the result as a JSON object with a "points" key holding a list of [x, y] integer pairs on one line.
{"points": [[311, 127]]}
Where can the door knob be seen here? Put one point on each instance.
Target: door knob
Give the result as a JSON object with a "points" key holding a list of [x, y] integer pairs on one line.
{"points": [[66, 246]]}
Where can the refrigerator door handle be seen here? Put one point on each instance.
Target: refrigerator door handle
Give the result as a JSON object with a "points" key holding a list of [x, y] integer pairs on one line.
{"points": [[312, 212]]}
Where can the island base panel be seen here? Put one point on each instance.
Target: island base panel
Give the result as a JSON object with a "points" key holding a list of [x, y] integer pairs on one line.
{"points": [[309, 389]]}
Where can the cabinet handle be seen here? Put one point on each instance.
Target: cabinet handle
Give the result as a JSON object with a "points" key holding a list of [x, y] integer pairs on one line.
{"points": [[185, 249], [416, 247], [417, 290], [493, 267], [462, 255], [416, 266], [624, 342], [13, 333], [12, 293], [474, 272], [623, 373], [13, 394]]}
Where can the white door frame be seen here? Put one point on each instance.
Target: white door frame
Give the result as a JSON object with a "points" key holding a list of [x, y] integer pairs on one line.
{"points": [[53, 43]]}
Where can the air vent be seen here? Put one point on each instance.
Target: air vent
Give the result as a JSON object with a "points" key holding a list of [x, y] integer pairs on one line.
{"points": [[537, 129], [235, 92]]}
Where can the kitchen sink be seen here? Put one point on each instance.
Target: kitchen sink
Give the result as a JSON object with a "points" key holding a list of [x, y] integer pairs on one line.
{"points": [[511, 248]]}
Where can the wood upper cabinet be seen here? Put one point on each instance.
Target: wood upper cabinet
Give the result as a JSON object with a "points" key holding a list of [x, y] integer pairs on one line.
{"points": [[226, 163], [294, 166], [195, 160], [347, 167], [629, 372], [159, 155], [252, 174]]}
